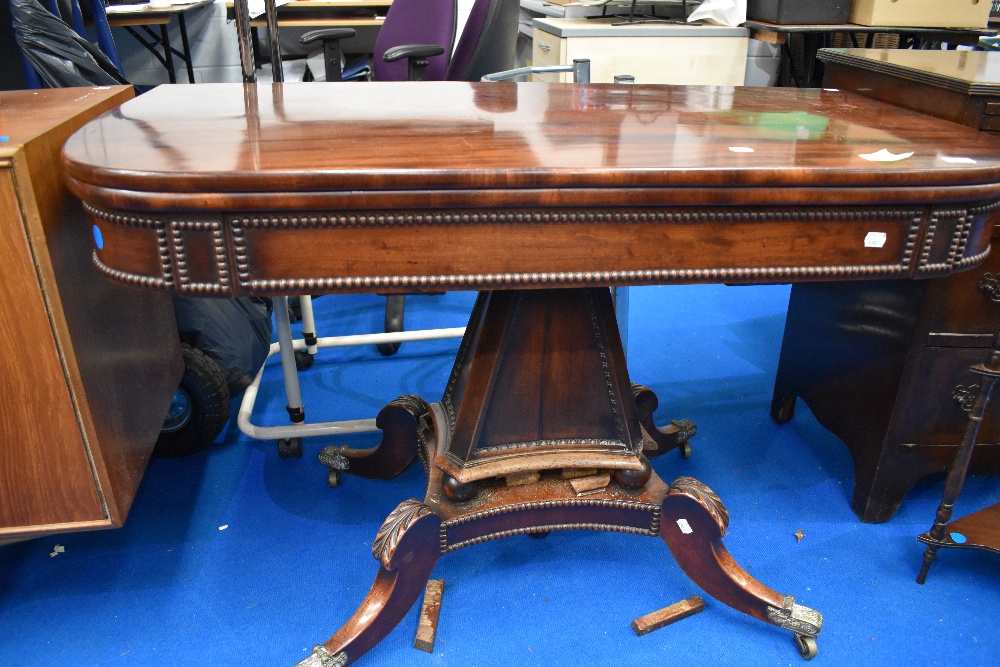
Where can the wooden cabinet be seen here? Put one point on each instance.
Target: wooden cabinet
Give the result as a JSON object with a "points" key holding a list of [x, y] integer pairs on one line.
{"points": [[89, 367], [652, 53], [885, 366], [960, 86]]}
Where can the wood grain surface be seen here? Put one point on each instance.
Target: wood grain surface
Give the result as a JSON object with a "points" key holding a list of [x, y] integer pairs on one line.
{"points": [[89, 366], [272, 189]]}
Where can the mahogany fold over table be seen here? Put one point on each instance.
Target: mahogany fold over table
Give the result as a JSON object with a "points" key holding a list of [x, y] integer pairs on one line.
{"points": [[540, 196]]}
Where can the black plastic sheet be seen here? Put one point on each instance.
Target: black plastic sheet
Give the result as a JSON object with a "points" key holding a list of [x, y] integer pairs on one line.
{"points": [[60, 56], [235, 333]]}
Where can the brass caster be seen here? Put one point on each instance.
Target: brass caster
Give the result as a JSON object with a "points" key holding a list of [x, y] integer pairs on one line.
{"points": [[332, 456], [806, 646], [685, 448]]}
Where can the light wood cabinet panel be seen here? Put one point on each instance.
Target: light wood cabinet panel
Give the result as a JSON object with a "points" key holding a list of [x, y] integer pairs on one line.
{"points": [[654, 53]]}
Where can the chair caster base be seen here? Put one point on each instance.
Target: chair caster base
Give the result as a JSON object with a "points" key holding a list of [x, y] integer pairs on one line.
{"points": [[290, 447]]}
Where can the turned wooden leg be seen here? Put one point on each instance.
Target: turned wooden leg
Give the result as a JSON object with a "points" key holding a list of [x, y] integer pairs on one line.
{"points": [[936, 537], [407, 549], [399, 422], [675, 435], [694, 521]]}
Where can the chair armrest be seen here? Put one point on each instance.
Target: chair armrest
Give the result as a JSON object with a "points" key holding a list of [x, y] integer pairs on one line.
{"points": [[324, 34], [332, 53], [412, 51]]}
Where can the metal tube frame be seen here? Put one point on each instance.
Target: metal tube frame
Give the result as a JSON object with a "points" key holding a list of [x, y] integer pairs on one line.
{"points": [[580, 69]]}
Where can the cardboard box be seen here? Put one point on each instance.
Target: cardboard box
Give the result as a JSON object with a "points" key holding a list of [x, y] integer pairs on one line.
{"points": [[922, 13], [790, 12]]}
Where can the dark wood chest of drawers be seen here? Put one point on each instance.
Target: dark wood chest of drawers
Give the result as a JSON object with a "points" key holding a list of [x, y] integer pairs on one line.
{"points": [[885, 366]]}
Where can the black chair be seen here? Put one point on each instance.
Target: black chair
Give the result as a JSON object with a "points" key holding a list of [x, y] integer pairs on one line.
{"points": [[488, 43]]}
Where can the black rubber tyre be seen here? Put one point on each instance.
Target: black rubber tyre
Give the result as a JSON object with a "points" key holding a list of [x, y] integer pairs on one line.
{"points": [[199, 410]]}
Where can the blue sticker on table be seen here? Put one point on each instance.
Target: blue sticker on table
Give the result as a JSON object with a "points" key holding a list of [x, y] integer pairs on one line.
{"points": [[958, 538], [4, 138], [98, 238]]}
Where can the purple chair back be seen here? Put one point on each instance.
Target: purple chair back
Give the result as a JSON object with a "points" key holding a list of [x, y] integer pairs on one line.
{"points": [[416, 22], [488, 42]]}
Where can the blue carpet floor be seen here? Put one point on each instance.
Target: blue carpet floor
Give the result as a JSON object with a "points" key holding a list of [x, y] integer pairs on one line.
{"points": [[234, 556]]}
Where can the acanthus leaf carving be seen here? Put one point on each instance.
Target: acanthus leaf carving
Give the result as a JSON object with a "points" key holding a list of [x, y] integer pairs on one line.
{"points": [[395, 526], [704, 496]]}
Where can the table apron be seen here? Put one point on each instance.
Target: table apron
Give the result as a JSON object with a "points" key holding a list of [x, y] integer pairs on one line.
{"points": [[385, 250]]}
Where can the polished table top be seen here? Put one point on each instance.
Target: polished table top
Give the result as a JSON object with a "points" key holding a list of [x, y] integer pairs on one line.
{"points": [[399, 186]]}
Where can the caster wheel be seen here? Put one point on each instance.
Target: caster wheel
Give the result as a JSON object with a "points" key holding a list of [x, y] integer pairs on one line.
{"points": [[807, 646], [303, 360], [388, 349], [290, 447], [333, 478], [685, 448], [294, 309]]}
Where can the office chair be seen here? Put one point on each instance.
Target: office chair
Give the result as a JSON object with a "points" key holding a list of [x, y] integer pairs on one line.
{"points": [[487, 44], [414, 42]]}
